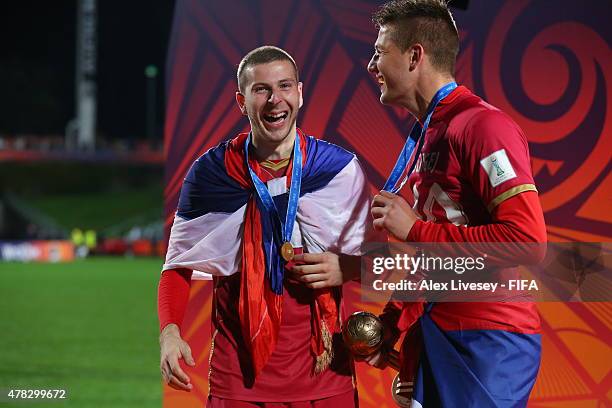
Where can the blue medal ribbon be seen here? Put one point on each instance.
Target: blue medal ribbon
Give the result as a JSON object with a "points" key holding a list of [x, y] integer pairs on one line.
{"points": [[294, 190], [417, 135]]}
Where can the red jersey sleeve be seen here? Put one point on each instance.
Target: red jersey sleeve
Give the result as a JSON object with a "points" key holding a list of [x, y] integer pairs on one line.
{"points": [[516, 220], [172, 296], [495, 157]]}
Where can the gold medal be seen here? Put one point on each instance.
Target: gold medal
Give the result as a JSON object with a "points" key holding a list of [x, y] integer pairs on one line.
{"points": [[287, 251]]}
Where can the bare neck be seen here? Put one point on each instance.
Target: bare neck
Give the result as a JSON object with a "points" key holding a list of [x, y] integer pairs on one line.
{"points": [[268, 150], [425, 92]]}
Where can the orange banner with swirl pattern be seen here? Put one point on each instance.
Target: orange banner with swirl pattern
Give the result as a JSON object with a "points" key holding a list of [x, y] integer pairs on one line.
{"points": [[547, 64]]}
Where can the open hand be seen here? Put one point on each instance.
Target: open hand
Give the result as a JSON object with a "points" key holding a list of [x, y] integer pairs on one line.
{"points": [[173, 348]]}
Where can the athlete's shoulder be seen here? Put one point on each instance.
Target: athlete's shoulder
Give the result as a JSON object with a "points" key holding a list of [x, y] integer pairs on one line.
{"points": [[228, 152], [461, 103], [473, 111], [326, 161], [465, 106], [214, 154], [221, 165], [323, 156], [322, 147], [473, 118], [491, 121]]}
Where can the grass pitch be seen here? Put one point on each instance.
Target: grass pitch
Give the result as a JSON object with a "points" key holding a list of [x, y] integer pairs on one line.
{"points": [[89, 327]]}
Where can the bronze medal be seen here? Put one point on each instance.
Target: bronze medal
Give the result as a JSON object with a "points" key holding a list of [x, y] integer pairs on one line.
{"points": [[287, 251], [402, 392]]}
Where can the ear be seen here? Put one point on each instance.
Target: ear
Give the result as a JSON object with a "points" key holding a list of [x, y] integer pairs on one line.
{"points": [[240, 102], [300, 85], [416, 54]]}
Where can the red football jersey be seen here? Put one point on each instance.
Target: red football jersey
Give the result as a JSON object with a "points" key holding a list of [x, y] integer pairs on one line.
{"points": [[473, 158], [288, 374]]}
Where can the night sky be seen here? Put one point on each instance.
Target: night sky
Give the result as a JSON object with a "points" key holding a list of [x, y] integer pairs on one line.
{"points": [[37, 64]]}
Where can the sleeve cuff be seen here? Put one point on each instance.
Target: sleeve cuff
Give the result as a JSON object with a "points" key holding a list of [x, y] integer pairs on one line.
{"points": [[415, 231]]}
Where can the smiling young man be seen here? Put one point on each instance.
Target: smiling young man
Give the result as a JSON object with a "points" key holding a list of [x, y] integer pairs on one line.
{"points": [[248, 208], [472, 183]]}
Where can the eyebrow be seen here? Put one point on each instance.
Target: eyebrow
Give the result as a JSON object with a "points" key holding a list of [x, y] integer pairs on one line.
{"points": [[279, 81]]}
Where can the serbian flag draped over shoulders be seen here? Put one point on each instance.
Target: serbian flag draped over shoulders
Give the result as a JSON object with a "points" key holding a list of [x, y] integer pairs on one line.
{"points": [[221, 228]]}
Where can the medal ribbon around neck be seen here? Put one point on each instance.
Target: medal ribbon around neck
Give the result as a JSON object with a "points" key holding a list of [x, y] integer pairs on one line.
{"points": [[294, 195], [417, 135]]}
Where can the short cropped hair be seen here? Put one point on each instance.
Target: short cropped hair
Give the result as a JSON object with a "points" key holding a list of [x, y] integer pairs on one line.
{"points": [[263, 55], [427, 22]]}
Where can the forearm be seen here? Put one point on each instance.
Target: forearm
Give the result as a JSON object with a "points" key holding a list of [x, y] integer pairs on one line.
{"points": [[390, 318], [172, 297], [517, 233]]}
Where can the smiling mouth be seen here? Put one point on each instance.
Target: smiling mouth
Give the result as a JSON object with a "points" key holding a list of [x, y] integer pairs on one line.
{"points": [[275, 117], [380, 81]]}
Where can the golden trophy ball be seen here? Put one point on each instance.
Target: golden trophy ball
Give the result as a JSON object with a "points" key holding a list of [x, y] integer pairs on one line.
{"points": [[363, 335]]}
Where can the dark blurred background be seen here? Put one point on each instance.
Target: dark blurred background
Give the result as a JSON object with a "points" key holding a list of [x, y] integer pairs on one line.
{"points": [[81, 173], [38, 60], [66, 165]]}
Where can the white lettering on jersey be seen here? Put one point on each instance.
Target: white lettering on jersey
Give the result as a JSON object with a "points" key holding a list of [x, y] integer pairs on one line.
{"points": [[427, 207], [453, 210], [427, 162], [498, 167]]}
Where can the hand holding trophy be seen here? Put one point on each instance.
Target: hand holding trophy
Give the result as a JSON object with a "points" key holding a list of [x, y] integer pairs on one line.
{"points": [[363, 334]]}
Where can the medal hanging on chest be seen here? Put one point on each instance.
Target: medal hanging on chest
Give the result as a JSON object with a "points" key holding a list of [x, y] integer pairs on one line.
{"points": [[287, 252]]}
